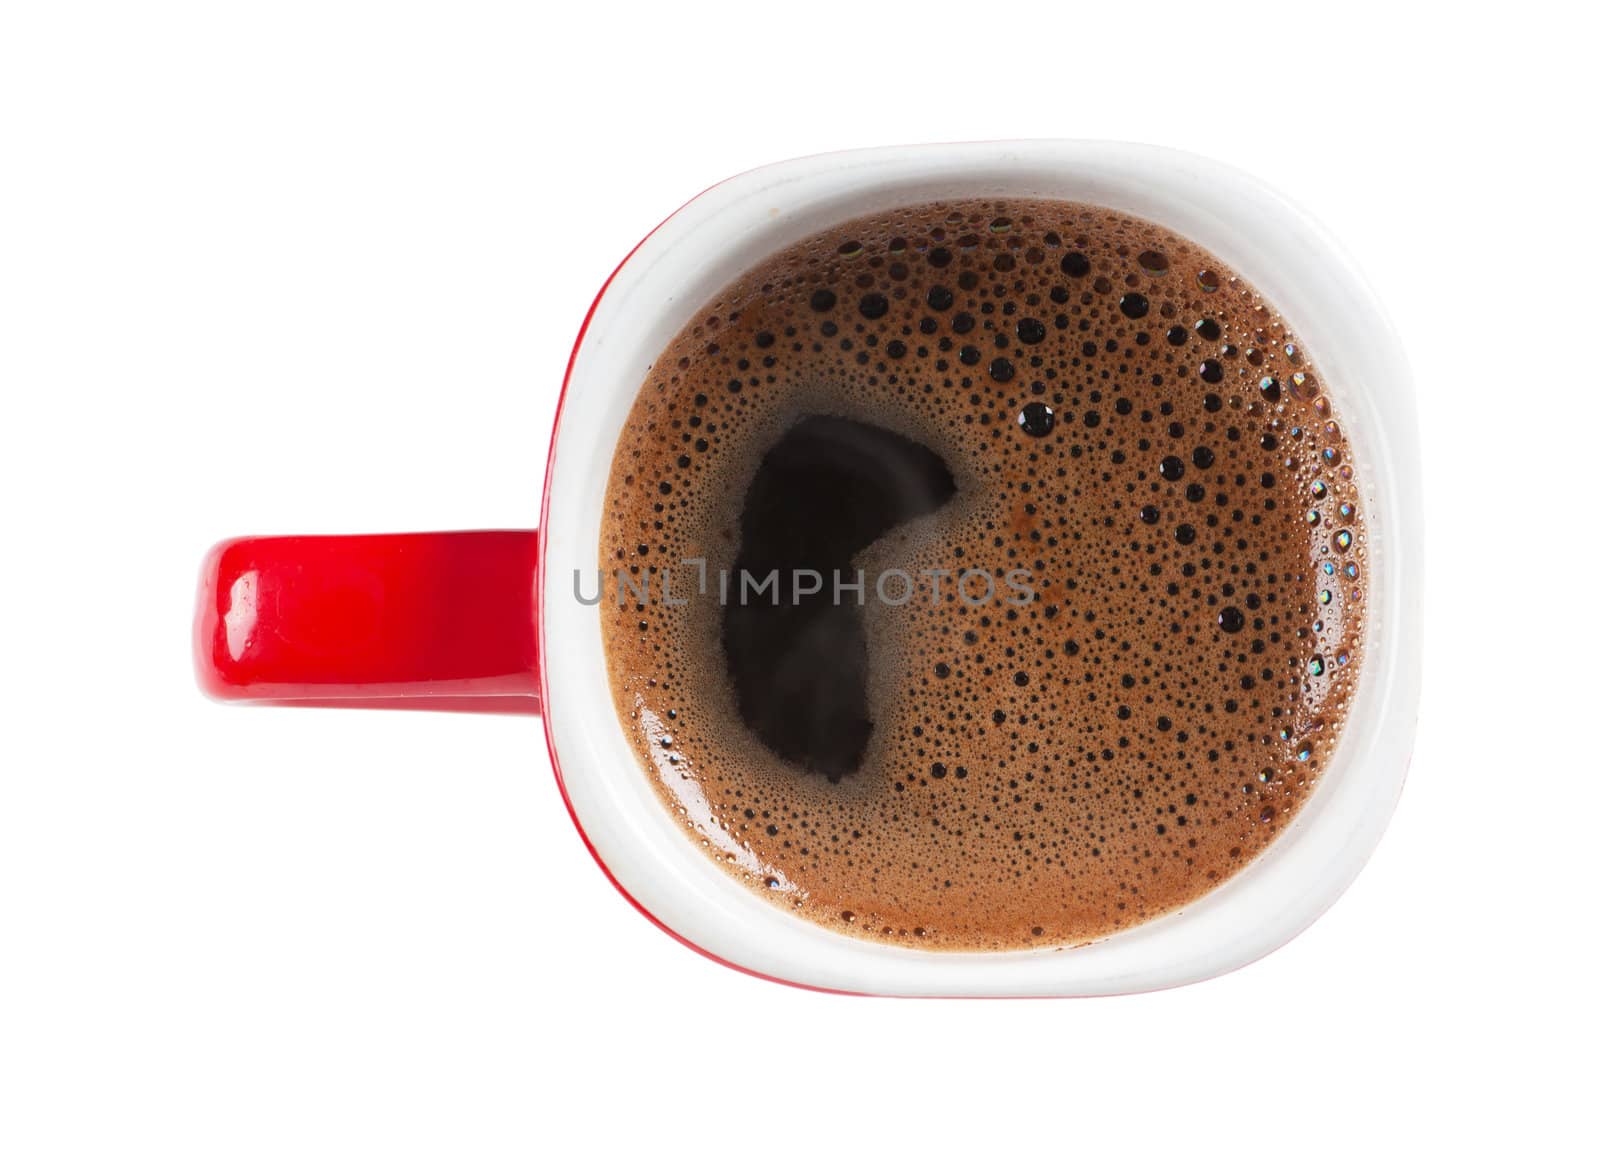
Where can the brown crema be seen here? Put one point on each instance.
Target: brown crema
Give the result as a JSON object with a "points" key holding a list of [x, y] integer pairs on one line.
{"points": [[1116, 729]]}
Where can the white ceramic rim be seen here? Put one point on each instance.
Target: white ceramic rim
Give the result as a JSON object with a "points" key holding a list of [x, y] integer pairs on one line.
{"points": [[732, 226]]}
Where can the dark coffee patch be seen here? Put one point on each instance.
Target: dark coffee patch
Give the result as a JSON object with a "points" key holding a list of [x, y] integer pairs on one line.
{"points": [[828, 489]]}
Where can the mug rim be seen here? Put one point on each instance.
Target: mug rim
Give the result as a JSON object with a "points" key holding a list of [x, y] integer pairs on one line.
{"points": [[733, 225]]}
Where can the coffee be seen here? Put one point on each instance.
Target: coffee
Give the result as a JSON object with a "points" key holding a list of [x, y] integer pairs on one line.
{"points": [[984, 575]]}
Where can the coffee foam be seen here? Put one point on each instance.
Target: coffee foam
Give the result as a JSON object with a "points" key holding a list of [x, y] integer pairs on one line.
{"points": [[1041, 774]]}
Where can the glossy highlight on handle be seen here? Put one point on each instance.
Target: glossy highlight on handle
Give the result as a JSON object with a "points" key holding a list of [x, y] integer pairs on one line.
{"points": [[431, 621]]}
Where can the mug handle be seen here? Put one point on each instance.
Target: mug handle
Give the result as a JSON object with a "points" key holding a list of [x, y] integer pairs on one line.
{"points": [[434, 621]]}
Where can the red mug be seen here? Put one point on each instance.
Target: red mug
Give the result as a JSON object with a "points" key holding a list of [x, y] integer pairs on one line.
{"points": [[484, 620]]}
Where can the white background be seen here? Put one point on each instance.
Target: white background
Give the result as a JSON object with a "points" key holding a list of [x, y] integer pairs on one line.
{"points": [[317, 267]]}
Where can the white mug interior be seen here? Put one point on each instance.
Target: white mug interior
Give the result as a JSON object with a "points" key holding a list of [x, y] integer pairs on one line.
{"points": [[733, 226]]}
